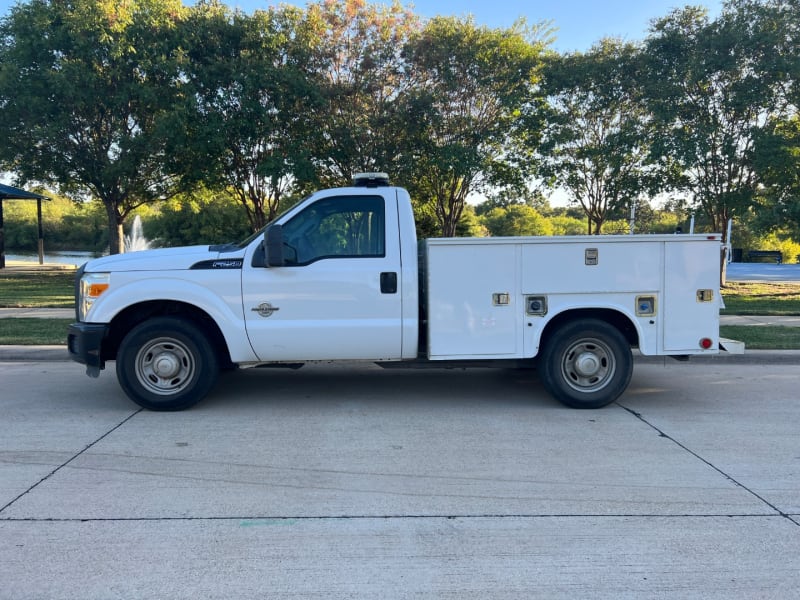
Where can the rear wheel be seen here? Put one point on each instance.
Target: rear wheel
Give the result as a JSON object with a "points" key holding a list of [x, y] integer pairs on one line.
{"points": [[586, 364], [166, 363]]}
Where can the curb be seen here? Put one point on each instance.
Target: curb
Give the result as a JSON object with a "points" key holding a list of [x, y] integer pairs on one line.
{"points": [[750, 357], [33, 353]]}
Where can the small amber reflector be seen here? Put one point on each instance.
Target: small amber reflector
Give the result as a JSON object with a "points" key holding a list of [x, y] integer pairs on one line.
{"points": [[706, 343], [95, 289]]}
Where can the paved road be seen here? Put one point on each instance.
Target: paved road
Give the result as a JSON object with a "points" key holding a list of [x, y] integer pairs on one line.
{"points": [[354, 482], [763, 272]]}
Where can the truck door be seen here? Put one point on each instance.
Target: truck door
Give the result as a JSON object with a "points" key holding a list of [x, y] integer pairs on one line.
{"points": [[337, 295]]}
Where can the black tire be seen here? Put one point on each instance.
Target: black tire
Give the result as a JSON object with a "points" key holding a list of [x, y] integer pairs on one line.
{"points": [[166, 363], [586, 364]]}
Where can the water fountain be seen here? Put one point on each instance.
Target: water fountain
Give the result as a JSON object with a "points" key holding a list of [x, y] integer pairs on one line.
{"points": [[136, 240]]}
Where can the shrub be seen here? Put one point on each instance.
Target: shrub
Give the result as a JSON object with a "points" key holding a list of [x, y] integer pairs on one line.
{"points": [[775, 241]]}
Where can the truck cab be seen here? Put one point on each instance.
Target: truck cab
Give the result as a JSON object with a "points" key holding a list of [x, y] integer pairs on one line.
{"points": [[340, 283], [335, 278]]}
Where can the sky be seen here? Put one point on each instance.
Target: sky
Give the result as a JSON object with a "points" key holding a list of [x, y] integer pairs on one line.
{"points": [[579, 23]]}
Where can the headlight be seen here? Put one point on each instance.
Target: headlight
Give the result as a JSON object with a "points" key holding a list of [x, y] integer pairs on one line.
{"points": [[92, 286]]}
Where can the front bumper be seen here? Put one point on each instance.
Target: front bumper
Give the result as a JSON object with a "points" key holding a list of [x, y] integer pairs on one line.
{"points": [[85, 342]]}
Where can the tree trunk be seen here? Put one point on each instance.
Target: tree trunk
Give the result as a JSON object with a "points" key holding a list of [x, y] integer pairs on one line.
{"points": [[116, 237], [449, 212], [449, 227]]}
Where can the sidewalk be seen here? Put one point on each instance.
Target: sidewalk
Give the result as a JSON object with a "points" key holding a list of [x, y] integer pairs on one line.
{"points": [[759, 320], [37, 313]]}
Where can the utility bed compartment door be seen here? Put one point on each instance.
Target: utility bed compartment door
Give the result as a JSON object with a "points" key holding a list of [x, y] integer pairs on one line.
{"points": [[689, 268], [473, 305]]}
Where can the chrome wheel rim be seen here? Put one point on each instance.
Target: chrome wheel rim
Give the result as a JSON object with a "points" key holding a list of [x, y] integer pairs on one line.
{"points": [[165, 366], [588, 365]]}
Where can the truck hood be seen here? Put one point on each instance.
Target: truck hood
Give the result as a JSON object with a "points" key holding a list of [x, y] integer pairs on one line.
{"points": [[166, 259]]}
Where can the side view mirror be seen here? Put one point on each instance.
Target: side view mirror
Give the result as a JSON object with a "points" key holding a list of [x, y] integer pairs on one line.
{"points": [[274, 244]]}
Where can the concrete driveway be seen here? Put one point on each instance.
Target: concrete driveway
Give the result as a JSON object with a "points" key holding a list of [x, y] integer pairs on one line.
{"points": [[354, 482]]}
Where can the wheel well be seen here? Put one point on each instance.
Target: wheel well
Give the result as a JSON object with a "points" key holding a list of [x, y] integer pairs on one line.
{"points": [[615, 318], [138, 313]]}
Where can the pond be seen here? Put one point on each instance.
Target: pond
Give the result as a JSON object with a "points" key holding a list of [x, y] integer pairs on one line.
{"points": [[67, 257]]}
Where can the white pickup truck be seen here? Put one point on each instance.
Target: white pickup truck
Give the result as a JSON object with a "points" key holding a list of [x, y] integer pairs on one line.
{"points": [[340, 276]]}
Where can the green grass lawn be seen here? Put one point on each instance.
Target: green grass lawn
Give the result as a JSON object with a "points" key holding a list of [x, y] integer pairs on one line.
{"points": [[761, 298], [34, 331], [37, 289], [766, 337]]}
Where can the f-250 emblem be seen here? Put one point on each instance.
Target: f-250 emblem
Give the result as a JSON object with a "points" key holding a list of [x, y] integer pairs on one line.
{"points": [[265, 309]]}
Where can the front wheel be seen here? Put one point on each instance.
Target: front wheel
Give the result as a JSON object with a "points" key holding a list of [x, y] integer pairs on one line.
{"points": [[165, 363], [586, 364]]}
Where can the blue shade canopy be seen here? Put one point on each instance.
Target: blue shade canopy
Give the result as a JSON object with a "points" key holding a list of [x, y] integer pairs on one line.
{"points": [[7, 191]]}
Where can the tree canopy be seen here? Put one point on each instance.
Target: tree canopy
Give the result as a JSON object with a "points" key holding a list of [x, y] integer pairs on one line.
{"points": [[471, 87], [244, 122], [133, 103], [597, 134], [712, 87], [83, 89]]}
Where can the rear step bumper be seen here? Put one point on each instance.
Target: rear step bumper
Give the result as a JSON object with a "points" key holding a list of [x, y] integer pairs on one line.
{"points": [[731, 346]]}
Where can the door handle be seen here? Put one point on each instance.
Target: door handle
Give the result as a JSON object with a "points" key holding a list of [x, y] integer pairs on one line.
{"points": [[389, 282]]}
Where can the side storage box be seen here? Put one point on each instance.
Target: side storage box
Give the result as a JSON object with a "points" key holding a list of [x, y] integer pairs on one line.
{"points": [[473, 306]]}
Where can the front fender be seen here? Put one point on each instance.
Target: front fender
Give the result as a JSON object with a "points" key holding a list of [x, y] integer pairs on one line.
{"points": [[218, 295]]}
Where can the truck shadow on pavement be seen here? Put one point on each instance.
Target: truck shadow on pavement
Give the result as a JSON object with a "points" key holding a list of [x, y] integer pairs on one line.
{"points": [[370, 385]]}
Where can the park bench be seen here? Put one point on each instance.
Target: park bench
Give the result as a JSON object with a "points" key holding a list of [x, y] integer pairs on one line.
{"points": [[765, 256]]}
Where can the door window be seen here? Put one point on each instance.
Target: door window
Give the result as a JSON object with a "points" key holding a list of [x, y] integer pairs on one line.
{"points": [[337, 227]]}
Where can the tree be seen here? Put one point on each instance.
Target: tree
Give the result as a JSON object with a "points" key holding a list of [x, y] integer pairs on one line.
{"points": [[563, 224], [67, 225], [712, 87], [777, 162], [246, 124], [84, 87], [596, 139], [361, 74], [505, 198], [516, 220], [200, 217], [471, 86]]}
